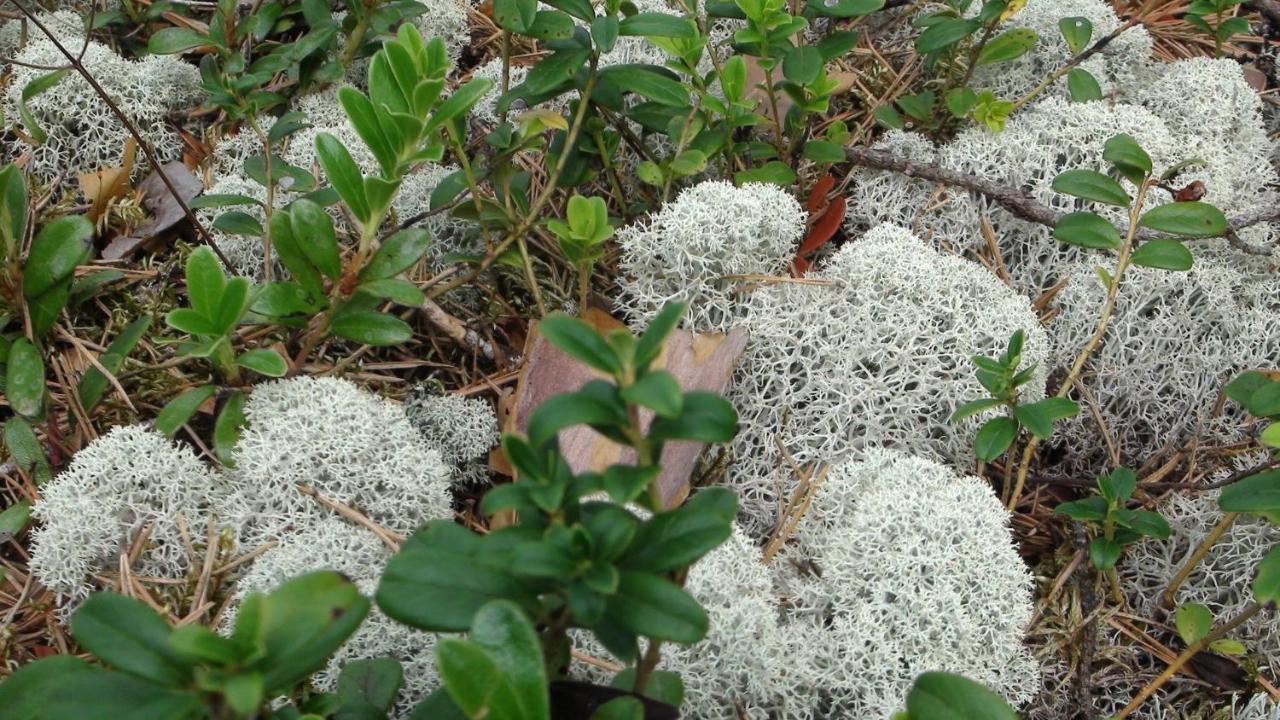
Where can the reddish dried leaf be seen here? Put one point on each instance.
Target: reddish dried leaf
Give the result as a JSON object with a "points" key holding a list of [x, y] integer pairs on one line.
{"points": [[825, 227], [818, 195]]}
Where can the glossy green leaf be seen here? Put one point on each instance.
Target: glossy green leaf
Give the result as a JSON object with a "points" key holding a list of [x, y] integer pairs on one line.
{"points": [[620, 708], [1255, 494], [302, 622], [1077, 31], [994, 438], [1090, 509], [1086, 229], [1104, 553], [652, 606], [945, 696], [236, 222], [470, 676], [1191, 219], [199, 644], [1039, 417], [706, 417], [1266, 584], [944, 34], [397, 254], [1091, 185], [845, 8], [774, 171], [126, 634], [579, 341], [649, 347], [657, 24], [174, 40], [515, 15], [343, 174], [677, 539], [371, 328], [1128, 156], [1009, 45], [1118, 485], [313, 230], [649, 82], [179, 410], [459, 102], [205, 282], [973, 407], [93, 385], [503, 631], [802, 64], [25, 449], [396, 290], [54, 254], [235, 301], [659, 391], [1164, 254], [24, 379], [1083, 86]]}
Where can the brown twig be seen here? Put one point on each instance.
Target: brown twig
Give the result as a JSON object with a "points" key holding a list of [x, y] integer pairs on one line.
{"points": [[1022, 205]]}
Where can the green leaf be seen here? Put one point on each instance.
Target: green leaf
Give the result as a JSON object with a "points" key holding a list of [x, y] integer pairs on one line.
{"points": [[1090, 509], [25, 449], [1118, 485], [173, 40], [556, 70], [470, 676], [580, 9], [652, 606], [13, 209], [438, 579], [24, 379], [579, 341], [649, 347], [664, 685], [960, 101], [1039, 417], [824, 151], [604, 31], [33, 88], [130, 636], [205, 282], [1083, 86], [551, 25], [1144, 522], [1192, 219], [460, 102], [397, 254], [1164, 254], [658, 391], [236, 222], [396, 290], [180, 409], [226, 430], [1007, 46], [312, 228], [802, 64], [1227, 646], [94, 384], [1104, 553], [648, 81], [189, 321], [1085, 229], [839, 42], [112, 695], [55, 252], [515, 15], [688, 162], [775, 172], [994, 437], [13, 519], [1255, 494], [235, 301], [507, 636], [300, 624], [887, 116], [657, 24], [845, 8], [945, 696], [706, 417], [1266, 584], [264, 361], [343, 174], [372, 682], [973, 407], [28, 693], [218, 200], [199, 644], [1077, 31], [677, 539], [620, 708], [371, 328], [1270, 435], [944, 34], [1091, 185], [1128, 156]]}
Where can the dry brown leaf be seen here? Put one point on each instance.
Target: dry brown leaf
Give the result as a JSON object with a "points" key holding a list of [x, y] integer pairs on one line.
{"points": [[100, 187], [699, 362], [165, 211]]}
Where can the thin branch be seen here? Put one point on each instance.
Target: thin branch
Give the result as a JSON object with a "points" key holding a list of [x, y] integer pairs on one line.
{"points": [[79, 67], [1023, 206]]}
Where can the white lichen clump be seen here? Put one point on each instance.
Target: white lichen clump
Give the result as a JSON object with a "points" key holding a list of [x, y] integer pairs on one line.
{"points": [[1174, 340], [447, 20], [325, 114], [699, 247], [1221, 581], [352, 446], [130, 481], [902, 568], [448, 234], [332, 544], [245, 252], [877, 358], [1124, 63], [459, 428], [82, 133]]}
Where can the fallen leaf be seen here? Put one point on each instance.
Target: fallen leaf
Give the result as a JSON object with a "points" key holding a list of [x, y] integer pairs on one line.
{"points": [[100, 187], [699, 362], [825, 218], [165, 211]]}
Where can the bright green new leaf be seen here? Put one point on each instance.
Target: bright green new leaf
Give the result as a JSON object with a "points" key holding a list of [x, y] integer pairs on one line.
{"points": [[1039, 417], [1266, 585], [1193, 621], [1008, 45], [994, 438], [1104, 553]]}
